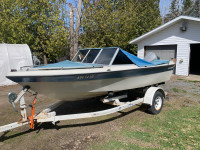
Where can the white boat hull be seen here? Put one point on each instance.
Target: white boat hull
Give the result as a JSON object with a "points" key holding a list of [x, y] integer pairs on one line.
{"points": [[76, 90]]}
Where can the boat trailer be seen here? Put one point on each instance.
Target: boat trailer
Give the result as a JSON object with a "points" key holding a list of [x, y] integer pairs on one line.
{"points": [[153, 97]]}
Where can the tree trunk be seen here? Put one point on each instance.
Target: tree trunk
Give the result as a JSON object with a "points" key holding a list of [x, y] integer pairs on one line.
{"points": [[71, 24], [45, 59], [78, 25]]}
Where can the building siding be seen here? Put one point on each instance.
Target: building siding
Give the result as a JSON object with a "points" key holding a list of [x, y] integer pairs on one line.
{"points": [[171, 36]]}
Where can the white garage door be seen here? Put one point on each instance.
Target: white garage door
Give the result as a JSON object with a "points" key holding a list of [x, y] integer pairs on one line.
{"points": [[165, 52]]}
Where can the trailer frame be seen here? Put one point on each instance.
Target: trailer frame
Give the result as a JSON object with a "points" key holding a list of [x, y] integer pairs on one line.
{"points": [[48, 115]]}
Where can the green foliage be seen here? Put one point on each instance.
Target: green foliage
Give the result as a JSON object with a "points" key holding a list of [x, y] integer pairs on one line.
{"points": [[114, 23], [187, 7], [38, 23], [13, 23], [42, 24]]}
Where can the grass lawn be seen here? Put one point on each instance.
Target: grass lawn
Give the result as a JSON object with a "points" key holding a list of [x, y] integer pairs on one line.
{"points": [[175, 129]]}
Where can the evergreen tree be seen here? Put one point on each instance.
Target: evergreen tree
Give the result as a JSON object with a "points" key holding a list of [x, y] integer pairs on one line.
{"points": [[174, 11], [184, 7], [38, 23], [13, 28], [187, 7], [49, 35], [115, 22], [196, 11]]}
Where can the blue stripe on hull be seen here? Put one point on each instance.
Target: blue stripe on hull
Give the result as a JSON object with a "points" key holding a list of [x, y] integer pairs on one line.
{"points": [[93, 76]]}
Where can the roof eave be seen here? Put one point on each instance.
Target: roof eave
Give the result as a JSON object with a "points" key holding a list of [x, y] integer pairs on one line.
{"points": [[162, 27]]}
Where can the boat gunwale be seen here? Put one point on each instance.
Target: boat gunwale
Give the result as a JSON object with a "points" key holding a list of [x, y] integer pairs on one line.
{"points": [[171, 66]]}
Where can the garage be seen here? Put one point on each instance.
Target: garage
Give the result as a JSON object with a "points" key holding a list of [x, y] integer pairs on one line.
{"points": [[179, 39]]}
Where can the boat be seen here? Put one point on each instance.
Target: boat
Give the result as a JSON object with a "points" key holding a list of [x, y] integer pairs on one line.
{"points": [[93, 72]]}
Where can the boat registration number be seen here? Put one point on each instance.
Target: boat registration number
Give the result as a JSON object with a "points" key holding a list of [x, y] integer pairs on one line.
{"points": [[89, 76]]}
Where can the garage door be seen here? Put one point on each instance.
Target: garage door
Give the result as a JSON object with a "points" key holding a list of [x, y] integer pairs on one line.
{"points": [[165, 52]]}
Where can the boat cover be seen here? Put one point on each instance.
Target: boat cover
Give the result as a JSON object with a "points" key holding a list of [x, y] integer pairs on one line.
{"points": [[141, 62], [69, 64]]}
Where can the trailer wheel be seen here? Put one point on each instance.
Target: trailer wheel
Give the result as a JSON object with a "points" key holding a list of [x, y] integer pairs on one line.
{"points": [[157, 103]]}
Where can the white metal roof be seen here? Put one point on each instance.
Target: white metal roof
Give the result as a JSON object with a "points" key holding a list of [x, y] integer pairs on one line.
{"points": [[134, 41]]}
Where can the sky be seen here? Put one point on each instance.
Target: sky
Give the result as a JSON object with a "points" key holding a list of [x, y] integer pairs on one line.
{"points": [[164, 6]]}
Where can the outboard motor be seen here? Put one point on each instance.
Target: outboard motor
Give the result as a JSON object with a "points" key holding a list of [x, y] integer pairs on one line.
{"points": [[150, 56]]}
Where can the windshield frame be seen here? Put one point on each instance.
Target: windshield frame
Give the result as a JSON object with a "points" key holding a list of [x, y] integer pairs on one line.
{"points": [[86, 55], [99, 53], [114, 56], [77, 53]]}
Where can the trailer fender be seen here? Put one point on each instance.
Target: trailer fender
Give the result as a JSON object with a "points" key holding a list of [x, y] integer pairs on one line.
{"points": [[148, 97]]}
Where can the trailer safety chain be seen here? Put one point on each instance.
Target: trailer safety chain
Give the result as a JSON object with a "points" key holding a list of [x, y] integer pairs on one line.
{"points": [[32, 112]]}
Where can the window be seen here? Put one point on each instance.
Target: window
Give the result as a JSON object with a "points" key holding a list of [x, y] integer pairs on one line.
{"points": [[106, 56], [91, 56], [80, 56]]}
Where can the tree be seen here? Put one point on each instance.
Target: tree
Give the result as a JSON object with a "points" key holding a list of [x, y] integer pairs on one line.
{"points": [[196, 12], [42, 24], [115, 22], [74, 33], [184, 7], [78, 25], [187, 8], [46, 26], [71, 24], [37, 23], [13, 27], [174, 11]]}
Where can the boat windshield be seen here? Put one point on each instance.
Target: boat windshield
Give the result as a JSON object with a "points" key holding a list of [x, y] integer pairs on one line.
{"points": [[80, 55], [91, 56], [105, 56], [102, 56]]}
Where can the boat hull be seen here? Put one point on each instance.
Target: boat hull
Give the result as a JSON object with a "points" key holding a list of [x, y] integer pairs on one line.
{"points": [[87, 85]]}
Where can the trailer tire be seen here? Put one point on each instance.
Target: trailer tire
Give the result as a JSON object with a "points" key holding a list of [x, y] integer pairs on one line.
{"points": [[157, 103]]}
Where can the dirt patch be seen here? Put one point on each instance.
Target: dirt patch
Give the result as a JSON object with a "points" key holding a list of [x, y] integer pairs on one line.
{"points": [[192, 77], [80, 134]]}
